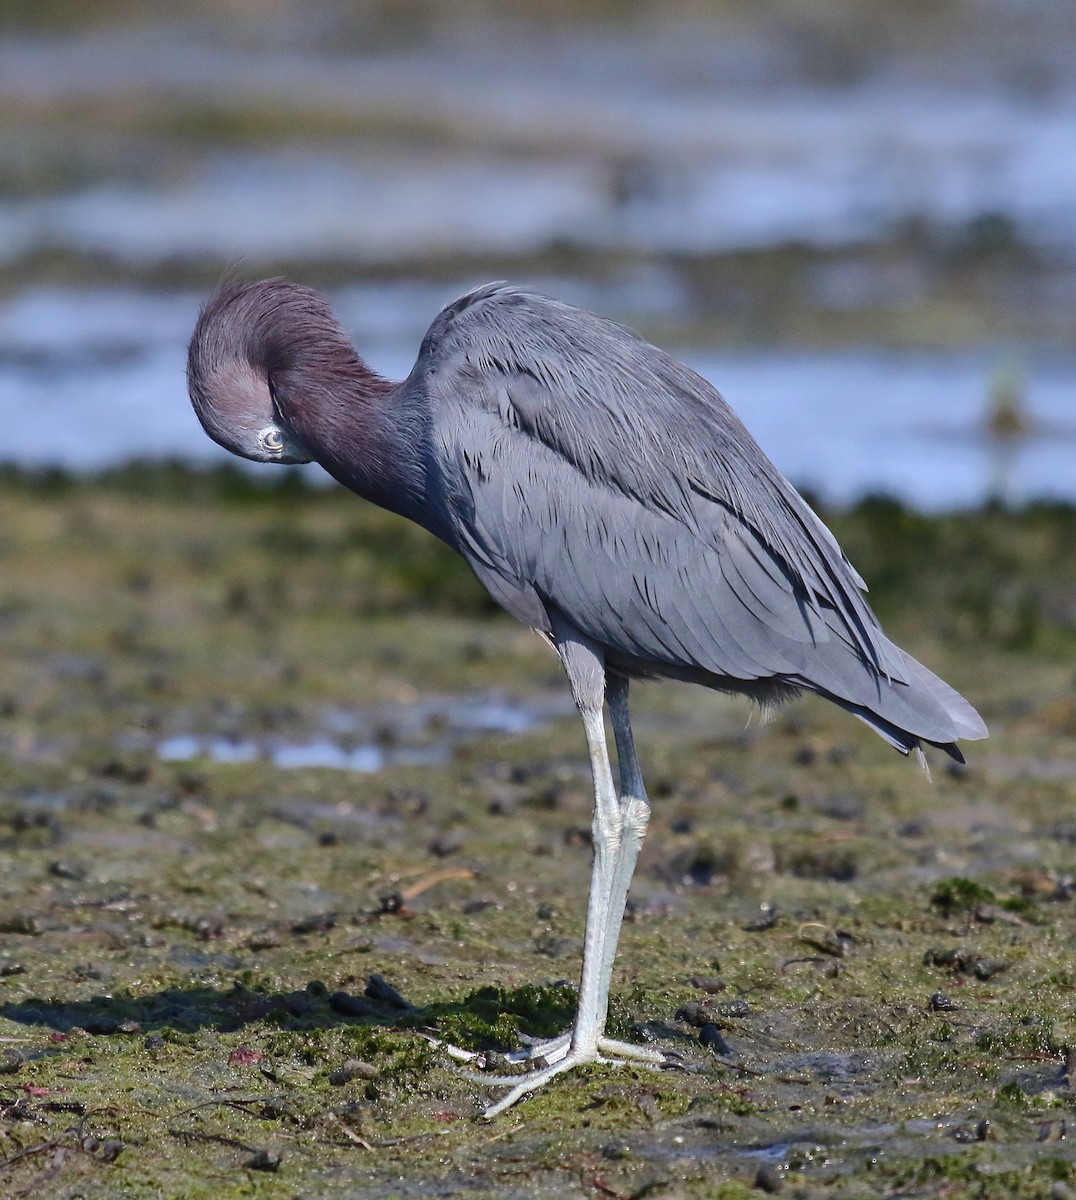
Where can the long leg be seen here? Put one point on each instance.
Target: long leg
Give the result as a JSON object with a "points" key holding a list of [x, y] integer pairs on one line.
{"points": [[618, 829], [634, 816], [603, 915], [634, 819]]}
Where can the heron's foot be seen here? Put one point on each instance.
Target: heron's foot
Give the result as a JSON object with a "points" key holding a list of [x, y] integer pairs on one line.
{"points": [[542, 1059], [531, 1081], [536, 1053], [540, 1051], [548, 1058], [546, 1051]]}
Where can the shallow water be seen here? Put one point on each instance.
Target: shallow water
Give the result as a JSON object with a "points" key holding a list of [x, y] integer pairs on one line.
{"points": [[633, 157], [90, 378], [422, 734], [653, 141]]}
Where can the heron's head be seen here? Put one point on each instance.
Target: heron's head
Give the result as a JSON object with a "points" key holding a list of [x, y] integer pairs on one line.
{"points": [[229, 375]]}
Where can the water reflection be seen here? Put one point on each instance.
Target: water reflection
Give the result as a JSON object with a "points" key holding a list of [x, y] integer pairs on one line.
{"points": [[317, 752], [422, 734]]}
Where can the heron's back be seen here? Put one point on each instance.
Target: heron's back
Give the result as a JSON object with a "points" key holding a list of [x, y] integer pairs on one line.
{"points": [[591, 473]]}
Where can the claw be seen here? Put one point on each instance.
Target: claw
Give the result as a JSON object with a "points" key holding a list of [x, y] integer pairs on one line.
{"points": [[496, 1080], [542, 1050], [530, 1083], [456, 1052]]}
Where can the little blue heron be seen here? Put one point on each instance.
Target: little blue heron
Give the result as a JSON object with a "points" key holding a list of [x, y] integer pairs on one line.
{"points": [[606, 496]]}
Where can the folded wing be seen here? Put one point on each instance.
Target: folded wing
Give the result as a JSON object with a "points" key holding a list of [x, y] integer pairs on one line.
{"points": [[589, 472]]}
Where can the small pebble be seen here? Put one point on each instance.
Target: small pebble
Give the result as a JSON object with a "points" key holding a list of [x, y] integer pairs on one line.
{"points": [[707, 983], [967, 962], [710, 1036], [206, 929], [60, 869], [352, 1006], [943, 958], [111, 1149], [317, 923], [11, 1062], [827, 940], [503, 803], [694, 1013], [446, 844], [21, 923], [940, 1002], [379, 989]]}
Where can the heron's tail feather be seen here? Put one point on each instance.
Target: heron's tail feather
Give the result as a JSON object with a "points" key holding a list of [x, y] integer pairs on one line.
{"points": [[966, 721], [921, 708]]}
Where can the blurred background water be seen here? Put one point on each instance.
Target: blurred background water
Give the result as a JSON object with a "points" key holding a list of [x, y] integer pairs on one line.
{"points": [[858, 220]]}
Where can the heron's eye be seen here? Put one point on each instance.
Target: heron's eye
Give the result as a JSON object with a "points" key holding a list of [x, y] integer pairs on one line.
{"points": [[271, 440]]}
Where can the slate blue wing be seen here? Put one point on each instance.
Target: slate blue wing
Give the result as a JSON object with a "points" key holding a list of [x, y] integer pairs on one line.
{"points": [[587, 471]]}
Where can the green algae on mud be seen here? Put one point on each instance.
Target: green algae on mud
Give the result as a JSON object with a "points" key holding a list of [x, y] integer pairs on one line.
{"points": [[186, 947]]}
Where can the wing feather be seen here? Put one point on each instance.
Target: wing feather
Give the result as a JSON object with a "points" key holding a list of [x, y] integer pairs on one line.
{"points": [[636, 424], [589, 472]]}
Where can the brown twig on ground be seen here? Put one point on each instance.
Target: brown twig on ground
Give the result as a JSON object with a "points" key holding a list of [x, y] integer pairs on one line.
{"points": [[435, 877], [26, 1151]]}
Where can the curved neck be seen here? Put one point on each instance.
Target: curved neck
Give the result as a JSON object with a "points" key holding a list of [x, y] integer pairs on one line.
{"points": [[370, 434], [364, 430]]}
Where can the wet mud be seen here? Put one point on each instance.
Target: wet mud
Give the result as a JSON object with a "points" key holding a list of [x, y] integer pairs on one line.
{"points": [[220, 976]]}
